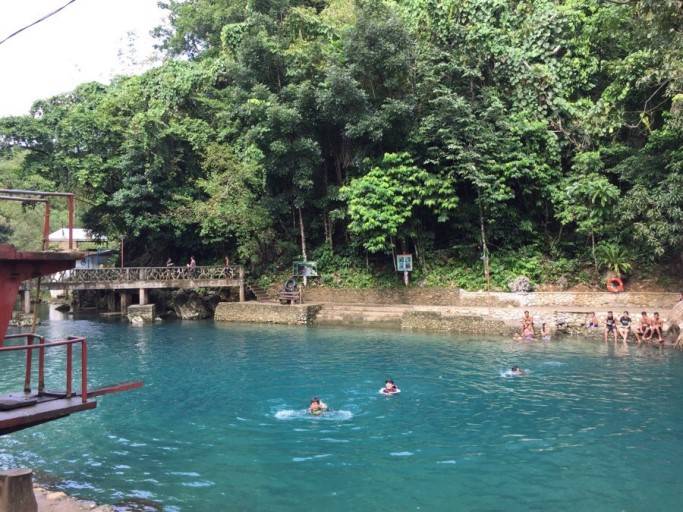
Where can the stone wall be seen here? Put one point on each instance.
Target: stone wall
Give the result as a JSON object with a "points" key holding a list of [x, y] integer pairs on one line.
{"points": [[456, 297], [433, 296], [571, 299], [266, 313], [462, 324]]}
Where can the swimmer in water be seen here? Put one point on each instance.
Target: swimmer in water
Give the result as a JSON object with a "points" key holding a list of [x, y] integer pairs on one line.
{"points": [[517, 371], [317, 406], [389, 387], [545, 332]]}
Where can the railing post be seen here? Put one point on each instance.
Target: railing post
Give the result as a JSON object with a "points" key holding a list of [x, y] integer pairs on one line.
{"points": [[69, 369], [29, 361], [84, 371], [41, 366]]}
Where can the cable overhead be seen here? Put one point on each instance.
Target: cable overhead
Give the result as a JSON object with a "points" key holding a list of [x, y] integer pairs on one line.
{"points": [[37, 21]]}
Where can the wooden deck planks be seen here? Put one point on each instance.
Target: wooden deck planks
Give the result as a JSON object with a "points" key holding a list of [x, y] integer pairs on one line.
{"points": [[43, 411]]}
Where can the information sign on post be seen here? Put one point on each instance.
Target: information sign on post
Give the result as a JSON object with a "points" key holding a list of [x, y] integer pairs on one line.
{"points": [[305, 269], [404, 263]]}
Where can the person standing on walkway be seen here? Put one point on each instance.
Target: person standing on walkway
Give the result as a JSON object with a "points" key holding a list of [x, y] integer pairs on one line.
{"points": [[192, 265]]}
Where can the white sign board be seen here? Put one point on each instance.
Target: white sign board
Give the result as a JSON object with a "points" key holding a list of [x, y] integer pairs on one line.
{"points": [[404, 262]]}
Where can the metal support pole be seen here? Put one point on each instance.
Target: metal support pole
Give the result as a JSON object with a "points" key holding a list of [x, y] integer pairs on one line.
{"points": [[41, 366], [84, 371], [70, 208], [69, 370], [46, 227], [29, 360]]}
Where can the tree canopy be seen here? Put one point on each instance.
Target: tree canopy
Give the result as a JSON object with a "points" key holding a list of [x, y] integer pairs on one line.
{"points": [[367, 126]]}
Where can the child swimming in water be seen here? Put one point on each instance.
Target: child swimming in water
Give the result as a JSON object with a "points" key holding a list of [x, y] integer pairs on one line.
{"points": [[517, 371], [389, 387], [317, 406]]}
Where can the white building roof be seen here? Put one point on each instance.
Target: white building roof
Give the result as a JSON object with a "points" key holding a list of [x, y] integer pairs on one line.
{"points": [[79, 235]]}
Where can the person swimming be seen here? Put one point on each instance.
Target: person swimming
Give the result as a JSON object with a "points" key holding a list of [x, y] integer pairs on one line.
{"points": [[517, 371], [317, 406], [545, 332], [389, 387]]}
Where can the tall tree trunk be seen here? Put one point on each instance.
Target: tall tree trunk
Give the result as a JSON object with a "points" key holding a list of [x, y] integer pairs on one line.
{"points": [[303, 236], [595, 258], [484, 248], [393, 254], [327, 228], [303, 242]]}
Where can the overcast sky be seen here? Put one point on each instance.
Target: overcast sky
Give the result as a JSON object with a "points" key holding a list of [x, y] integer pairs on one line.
{"points": [[88, 40]]}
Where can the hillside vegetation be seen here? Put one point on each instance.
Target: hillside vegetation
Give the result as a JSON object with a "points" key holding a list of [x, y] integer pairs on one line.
{"points": [[489, 138]]}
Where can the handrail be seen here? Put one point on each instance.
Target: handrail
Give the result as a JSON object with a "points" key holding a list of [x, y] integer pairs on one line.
{"points": [[29, 347], [84, 275]]}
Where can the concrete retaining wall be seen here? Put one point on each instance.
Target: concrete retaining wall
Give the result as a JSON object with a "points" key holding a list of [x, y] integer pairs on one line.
{"points": [[462, 324], [457, 297], [266, 313], [388, 296]]}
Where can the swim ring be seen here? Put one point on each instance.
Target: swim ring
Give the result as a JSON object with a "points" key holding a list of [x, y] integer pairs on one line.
{"points": [[615, 285], [383, 391]]}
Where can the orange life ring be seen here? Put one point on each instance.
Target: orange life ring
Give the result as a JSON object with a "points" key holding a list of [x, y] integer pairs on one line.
{"points": [[615, 285]]}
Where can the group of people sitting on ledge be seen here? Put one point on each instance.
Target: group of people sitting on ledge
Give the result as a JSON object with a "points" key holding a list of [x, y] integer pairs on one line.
{"points": [[528, 332], [645, 330]]}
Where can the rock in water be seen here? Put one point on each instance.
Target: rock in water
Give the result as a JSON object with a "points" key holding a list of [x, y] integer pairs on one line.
{"points": [[190, 305]]}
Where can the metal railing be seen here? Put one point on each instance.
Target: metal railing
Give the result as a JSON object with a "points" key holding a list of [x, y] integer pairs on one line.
{"points": [[131, 274], [40, 347]]}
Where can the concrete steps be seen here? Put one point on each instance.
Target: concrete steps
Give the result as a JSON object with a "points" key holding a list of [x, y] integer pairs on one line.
{"points": [[361, 314], [260, 293]]}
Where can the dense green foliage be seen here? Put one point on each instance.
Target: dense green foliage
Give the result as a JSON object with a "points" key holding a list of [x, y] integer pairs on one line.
{"points": [[489, 138]]}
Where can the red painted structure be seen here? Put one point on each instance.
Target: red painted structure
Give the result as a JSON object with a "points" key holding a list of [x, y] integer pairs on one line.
{"points": [[29, 408], [35, 196], [16, 267]]}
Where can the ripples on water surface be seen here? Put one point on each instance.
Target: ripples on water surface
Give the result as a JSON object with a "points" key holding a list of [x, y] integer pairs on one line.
{"points": [[218, 425]]}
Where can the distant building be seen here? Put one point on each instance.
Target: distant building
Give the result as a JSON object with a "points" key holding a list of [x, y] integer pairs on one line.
{"points": [[60, 238], [95, 259]]}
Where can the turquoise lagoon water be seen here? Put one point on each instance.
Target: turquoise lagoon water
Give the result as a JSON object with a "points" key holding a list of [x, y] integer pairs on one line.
{"points": [[217, 426]]}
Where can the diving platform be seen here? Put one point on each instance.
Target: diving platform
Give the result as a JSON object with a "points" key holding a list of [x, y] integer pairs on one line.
{"points": [[37, 410], [34, 404]]}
